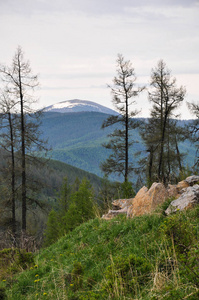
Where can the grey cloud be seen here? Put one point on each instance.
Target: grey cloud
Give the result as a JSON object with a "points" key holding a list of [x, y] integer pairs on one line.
{"points": [[86, 6]]}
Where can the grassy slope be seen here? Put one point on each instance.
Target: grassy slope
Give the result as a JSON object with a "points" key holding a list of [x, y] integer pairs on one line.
{"points": [[95, 245]]}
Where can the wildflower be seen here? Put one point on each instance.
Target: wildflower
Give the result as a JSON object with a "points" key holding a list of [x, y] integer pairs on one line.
{"points": [[4, 280], [71, 284], [51, 260], [44, 294], [37, 280], [36, 266], [36, 275]]}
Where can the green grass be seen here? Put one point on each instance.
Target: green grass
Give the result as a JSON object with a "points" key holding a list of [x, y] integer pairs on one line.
{"points": [[122, 258]]}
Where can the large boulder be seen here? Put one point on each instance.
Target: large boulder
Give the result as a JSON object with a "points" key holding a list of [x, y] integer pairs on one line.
{"points": [[186, 193], [191, 180], [147, 200], [188, 198], [176, 190]]}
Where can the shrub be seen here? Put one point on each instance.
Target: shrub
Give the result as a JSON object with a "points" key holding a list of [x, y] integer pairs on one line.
{"points": [[179, 229], [77, 276], [182, 235], [16, 259], [127, 273]]}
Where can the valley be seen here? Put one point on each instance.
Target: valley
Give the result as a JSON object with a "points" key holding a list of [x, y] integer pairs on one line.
{"points": [[77, 138]]}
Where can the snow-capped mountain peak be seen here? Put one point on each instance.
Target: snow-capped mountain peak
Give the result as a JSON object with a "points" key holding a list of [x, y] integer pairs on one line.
{"points": [[77, 105]]}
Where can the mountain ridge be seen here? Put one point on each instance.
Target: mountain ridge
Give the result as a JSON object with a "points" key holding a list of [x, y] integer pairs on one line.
{"points": [[77, 138], [77, 105]]}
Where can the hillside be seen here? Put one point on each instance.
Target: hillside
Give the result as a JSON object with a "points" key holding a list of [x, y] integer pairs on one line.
{"points": [[148, 257], [76, 139], [50, 179], [51, 176], [57, 170]]}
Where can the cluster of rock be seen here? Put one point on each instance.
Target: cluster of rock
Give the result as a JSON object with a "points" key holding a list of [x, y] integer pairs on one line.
{"points": [[186, 194]]}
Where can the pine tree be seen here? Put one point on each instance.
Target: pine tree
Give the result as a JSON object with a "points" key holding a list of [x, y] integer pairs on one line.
{"points": [[124, 92], [81, 207], [9, 144], [160, 133], [20, 85]]}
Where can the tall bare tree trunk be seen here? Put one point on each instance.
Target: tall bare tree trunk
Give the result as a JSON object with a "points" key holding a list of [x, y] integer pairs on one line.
{"points": [[13, 177], [23, 153], [127, 142]]}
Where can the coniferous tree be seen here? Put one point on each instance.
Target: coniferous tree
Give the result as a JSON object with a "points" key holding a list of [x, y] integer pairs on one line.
{"points": [[124, 92], [161, 134], [20, 84], [81, 207], [8, 142], [75, 206]]}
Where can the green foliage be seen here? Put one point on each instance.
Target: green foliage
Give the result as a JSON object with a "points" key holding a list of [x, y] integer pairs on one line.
{"points": [[127, 273], [180, 231], [64, 198], [52, 231], [183, 236], [185, 172], [165, 205], [127, 190], [117, 259], [81, 208], [13, 260], [77, 276], [75, 206]]}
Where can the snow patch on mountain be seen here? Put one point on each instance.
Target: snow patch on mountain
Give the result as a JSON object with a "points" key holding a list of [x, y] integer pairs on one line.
{"points": [[77, 105]]}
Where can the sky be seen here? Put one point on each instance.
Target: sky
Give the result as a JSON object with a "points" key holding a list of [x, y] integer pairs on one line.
{"points": [[73, 45]]}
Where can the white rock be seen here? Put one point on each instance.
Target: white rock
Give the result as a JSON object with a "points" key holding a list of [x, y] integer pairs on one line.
{"points": [[189, 198]]}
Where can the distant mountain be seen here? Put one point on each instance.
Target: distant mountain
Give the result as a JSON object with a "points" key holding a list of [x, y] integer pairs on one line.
{"points": [[77, 138], [76, 105]]}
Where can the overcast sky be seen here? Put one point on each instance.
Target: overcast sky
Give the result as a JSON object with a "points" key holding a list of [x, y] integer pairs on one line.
{"points": [[73, 44]]}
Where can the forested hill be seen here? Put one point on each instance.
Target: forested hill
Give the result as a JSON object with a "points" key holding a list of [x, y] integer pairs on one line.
{"points": [[51, 177], [76, 139]]}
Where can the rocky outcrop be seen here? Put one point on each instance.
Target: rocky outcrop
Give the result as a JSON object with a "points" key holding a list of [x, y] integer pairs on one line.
{"points": [[120, 206], [186, 194], [189, 198], [175, 190], [191, 180], [147, 200]]}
